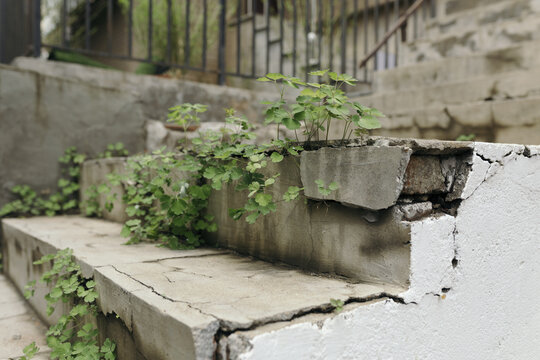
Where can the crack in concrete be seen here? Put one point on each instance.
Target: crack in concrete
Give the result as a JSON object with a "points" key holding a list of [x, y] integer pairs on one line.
{"points": [[227, 328], [163, 296], [224, 252]]}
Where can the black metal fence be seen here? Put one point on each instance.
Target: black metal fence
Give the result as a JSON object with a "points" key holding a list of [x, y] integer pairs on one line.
{"points": [[233, 38]]}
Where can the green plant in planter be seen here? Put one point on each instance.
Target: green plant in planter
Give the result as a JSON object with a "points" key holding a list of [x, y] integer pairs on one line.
{"points": [[172, 211], [318, 106]]}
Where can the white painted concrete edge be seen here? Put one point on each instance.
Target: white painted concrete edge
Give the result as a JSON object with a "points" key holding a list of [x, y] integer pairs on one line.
{"points": [[474, 281]]}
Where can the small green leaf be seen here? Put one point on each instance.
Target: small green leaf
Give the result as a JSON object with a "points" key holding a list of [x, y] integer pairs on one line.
{"points": [[276, 157], [291, 123], [275, 76], [318, 72], [369, 123], [263, 199], [251, 218]]}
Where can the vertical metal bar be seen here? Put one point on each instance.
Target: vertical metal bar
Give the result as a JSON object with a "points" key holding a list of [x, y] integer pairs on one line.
{"points": [[130, 28], [238, 35], [253, 36], [63, 23], [396, 37], [424, 11], [222, 38], [307, 30], [205, 33], [109, 25], [295, 24], [150, 29], [87, 15], [386, 27], [319, 33], [343, 37], [415, 20], [355, 38], [2, 22], [267, 13], [187, 39], [331, 40], [36, 28], [366, 44], [281, 19], [169, 24], [433, 7], [376, 17]]}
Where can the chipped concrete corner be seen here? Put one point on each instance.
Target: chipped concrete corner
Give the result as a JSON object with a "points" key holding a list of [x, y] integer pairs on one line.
{"points": [[473, 279]]}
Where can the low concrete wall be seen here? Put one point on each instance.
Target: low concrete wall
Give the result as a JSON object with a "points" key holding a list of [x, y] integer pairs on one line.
{"points": [[46, 107], [362, 231], [478, 272]]}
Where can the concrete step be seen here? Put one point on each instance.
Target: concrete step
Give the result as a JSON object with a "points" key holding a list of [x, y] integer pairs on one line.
{"points": [[164, 304], [466, 41], [508, 85], [501, 120], [19, 324], [459, 17], [523, 56], [364, 207]]}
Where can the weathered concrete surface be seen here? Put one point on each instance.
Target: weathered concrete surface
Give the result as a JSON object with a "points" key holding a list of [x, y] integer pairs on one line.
{"points": [[473, 291], [94, 172], [172, 303], [318, 245], [19, 325], [474, 70], [331, 238], [368, 177], [424, 176]]}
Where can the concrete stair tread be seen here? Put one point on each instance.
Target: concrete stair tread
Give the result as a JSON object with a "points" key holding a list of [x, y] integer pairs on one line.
{"points": [[522, 56], [508, 9], [469, 113], [508, 85], [180, 300], [465, 41]]}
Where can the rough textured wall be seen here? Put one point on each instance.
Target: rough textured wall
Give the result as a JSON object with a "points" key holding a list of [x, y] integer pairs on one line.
{"points": [[46, 107], [474, 282]]}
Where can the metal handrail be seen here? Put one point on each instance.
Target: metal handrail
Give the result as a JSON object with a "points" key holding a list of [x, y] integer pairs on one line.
{"points": [[400, 22]]}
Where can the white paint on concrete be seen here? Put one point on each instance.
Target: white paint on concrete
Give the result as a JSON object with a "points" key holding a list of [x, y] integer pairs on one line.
{"points": [[487, 265]]}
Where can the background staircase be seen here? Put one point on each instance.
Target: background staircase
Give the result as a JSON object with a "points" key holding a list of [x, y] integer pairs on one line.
{"points": [[475, 70]]}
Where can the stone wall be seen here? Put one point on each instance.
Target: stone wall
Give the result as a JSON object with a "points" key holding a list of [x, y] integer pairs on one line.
{"points": [[46, 107]]}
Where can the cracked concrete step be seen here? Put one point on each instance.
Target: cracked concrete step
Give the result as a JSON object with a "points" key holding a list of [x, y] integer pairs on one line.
{"points": [[514, 84], [164, 304], [523, 56], [507, 120], [19, 325], [332, 238]]}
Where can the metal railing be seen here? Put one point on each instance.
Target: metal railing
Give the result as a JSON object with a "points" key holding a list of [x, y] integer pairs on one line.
{"points": [[238, 38]]}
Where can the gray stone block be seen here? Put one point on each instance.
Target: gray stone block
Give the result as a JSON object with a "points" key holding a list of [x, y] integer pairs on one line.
{"points": [[424, 176], [368, 177]]}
